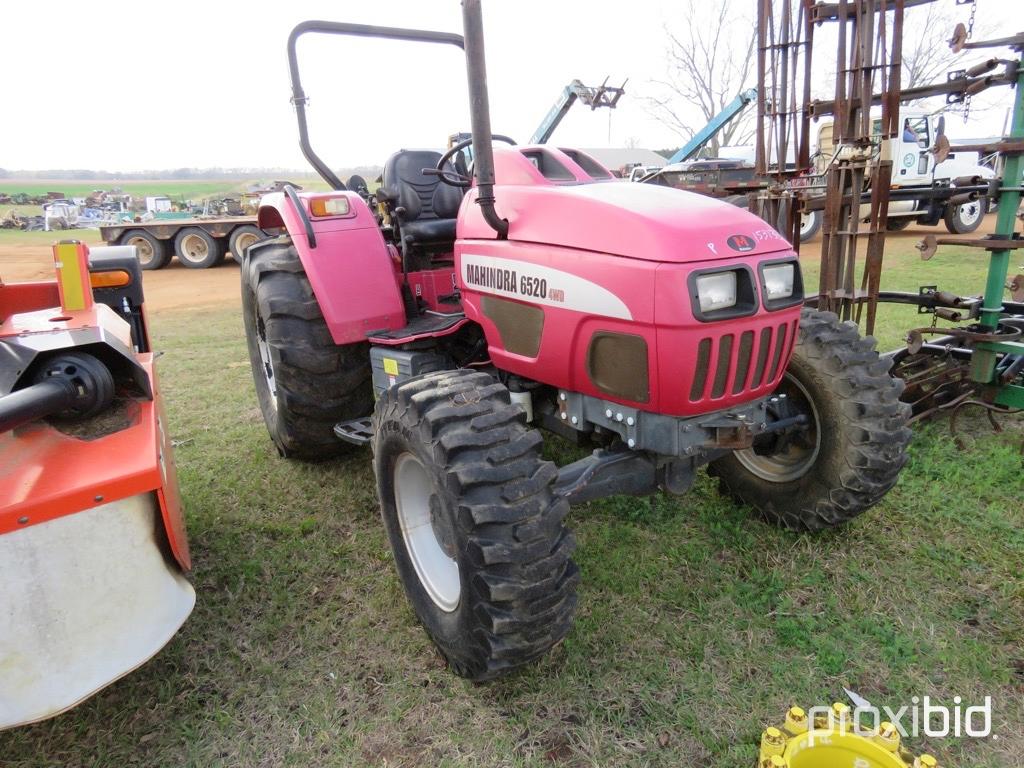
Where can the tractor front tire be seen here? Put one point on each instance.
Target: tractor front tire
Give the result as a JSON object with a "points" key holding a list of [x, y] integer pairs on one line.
{"points": [[475, 526], [305, 383], [854, 444]]}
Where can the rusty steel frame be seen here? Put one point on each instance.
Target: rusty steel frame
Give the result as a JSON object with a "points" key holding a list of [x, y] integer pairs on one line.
{"points": [[867, 62], [869, 54], [784, 45]]}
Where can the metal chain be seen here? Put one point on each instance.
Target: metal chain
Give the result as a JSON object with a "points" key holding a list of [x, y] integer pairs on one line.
{"points": [[970, 31]]}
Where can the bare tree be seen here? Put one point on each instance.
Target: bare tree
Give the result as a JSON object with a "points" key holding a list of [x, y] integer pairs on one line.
{"points": [[711, 59], [926, 53]]}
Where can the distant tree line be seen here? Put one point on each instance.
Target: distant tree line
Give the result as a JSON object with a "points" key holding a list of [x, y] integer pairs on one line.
{"points": [[179, 174]]}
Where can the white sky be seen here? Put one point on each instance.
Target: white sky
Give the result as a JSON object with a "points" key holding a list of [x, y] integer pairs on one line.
{"points": [[128, 86]]}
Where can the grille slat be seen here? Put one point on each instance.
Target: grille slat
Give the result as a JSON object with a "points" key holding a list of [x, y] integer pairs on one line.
{"points": [[700, 371], [743, 362], [764, 348], [722, 365], [780, 346]]}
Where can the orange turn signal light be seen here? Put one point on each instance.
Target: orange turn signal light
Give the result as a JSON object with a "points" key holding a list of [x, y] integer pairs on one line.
{"points": [[115, 278], [329, 206]]}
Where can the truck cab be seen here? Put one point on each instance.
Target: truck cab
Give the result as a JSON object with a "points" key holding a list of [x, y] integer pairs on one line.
{"points": [[913, 152]]}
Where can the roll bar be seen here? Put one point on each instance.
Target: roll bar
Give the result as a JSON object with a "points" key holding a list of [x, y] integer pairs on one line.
{"points": [[473, 45]]}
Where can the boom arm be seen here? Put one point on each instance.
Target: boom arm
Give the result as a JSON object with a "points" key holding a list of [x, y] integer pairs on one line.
{"points": [[602, 96], [717, 123]]}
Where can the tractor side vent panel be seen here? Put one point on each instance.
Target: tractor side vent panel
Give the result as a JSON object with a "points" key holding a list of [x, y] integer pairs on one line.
{"points": [[730, 365]]}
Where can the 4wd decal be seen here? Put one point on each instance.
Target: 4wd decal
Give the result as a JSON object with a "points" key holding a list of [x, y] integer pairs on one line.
{"points": [[741, 243], [538, 284]]}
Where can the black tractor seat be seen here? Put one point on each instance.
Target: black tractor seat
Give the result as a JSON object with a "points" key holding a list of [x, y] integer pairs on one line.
{"points": [[423, 207]]}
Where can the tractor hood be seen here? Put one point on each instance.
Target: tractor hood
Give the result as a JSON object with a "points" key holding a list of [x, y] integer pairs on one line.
{"points": [[639, 221]]}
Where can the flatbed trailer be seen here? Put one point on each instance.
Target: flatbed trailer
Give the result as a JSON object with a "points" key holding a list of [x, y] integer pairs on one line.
{"points": [[198, 243]]}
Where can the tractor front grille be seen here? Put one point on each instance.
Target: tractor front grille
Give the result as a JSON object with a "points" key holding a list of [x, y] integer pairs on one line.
{"points": [[726, 365]]}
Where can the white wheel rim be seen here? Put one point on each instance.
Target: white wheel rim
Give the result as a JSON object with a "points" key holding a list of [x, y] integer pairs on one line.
{"points": [[806, 223], [970, 212], [193, 248], [143, 249], [266, 364], [438, 573], [243, 242], [795, 462]]}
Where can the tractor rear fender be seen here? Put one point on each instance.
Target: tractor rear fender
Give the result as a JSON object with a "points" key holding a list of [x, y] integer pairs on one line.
{"points": [[354, 279]]}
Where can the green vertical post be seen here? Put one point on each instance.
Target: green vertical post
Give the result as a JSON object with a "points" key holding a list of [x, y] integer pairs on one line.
{"points": [[983, 361]]}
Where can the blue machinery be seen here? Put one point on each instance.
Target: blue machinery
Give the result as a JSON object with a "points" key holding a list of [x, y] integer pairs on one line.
{"points": [[717, 123], [602, 96]]}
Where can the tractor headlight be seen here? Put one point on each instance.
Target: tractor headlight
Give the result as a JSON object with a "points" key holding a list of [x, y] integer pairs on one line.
{"points": [[716, 291], [781, 283], [778, 281]]}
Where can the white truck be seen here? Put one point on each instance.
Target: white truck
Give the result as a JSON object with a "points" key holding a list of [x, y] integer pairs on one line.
{"points": [[914, 168]]}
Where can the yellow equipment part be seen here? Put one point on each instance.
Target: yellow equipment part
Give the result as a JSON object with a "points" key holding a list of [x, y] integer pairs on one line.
{"points": [[835, 742]]}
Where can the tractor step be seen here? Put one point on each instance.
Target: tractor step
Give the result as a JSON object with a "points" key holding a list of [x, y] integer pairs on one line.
{"points": [[355, 431]]}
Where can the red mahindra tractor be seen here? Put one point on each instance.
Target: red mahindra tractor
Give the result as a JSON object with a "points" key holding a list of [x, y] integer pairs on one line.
{"points": [[462, 307]]}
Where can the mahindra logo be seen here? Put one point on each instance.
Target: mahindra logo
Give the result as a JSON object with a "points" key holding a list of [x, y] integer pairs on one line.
{"points": [[741, 243]]}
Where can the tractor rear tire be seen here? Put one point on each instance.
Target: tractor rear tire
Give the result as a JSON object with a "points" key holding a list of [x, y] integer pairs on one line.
{"points": [[152, 252], [305, 383], [854, 447], [475, 526]]}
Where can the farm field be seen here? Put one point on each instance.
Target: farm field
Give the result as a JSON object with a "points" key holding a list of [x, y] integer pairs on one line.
{"points": [[698, 624]]}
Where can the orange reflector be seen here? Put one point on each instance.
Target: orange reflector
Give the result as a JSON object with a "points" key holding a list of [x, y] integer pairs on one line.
{"points": [[115, 278], [329, 206]]}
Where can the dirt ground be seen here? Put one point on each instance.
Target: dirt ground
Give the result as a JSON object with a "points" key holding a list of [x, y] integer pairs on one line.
{"points": [[174, 287]]}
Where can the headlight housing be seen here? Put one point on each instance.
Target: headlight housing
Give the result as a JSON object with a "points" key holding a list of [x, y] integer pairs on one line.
{"points": [[722, 293], [781, 283]]}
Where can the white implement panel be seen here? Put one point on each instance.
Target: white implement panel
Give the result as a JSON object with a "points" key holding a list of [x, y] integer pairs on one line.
{"points": [[86, 599]]}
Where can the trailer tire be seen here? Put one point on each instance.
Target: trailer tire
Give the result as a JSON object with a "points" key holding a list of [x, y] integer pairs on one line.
{"points": [[855, 446], [810, 223], [305, 383], [152, 252], [963, 219], [198, 249], [475, 526], [242, 237]]}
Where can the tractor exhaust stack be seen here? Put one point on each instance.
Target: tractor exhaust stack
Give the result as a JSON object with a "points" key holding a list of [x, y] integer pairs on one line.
{"points": [[480, 114]]}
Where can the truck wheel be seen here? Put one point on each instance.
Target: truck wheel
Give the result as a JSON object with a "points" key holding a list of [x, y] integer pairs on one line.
{"points": [[242, 237], [198, 249], [853, 444], [305, 383], [476, 529], [152, 253], [810, 223], [898, 223], [965, 218]]}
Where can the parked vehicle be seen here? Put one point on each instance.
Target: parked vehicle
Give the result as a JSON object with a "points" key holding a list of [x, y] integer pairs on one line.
{"points": [[923, 190], [198, 243], [449, 321]]}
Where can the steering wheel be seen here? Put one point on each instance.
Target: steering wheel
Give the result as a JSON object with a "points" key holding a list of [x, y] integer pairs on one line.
{"points": [[453, 178]]}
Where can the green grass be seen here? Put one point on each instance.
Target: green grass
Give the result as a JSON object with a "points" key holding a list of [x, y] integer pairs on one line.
{"points": [[174, 189], [698, 625]]}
